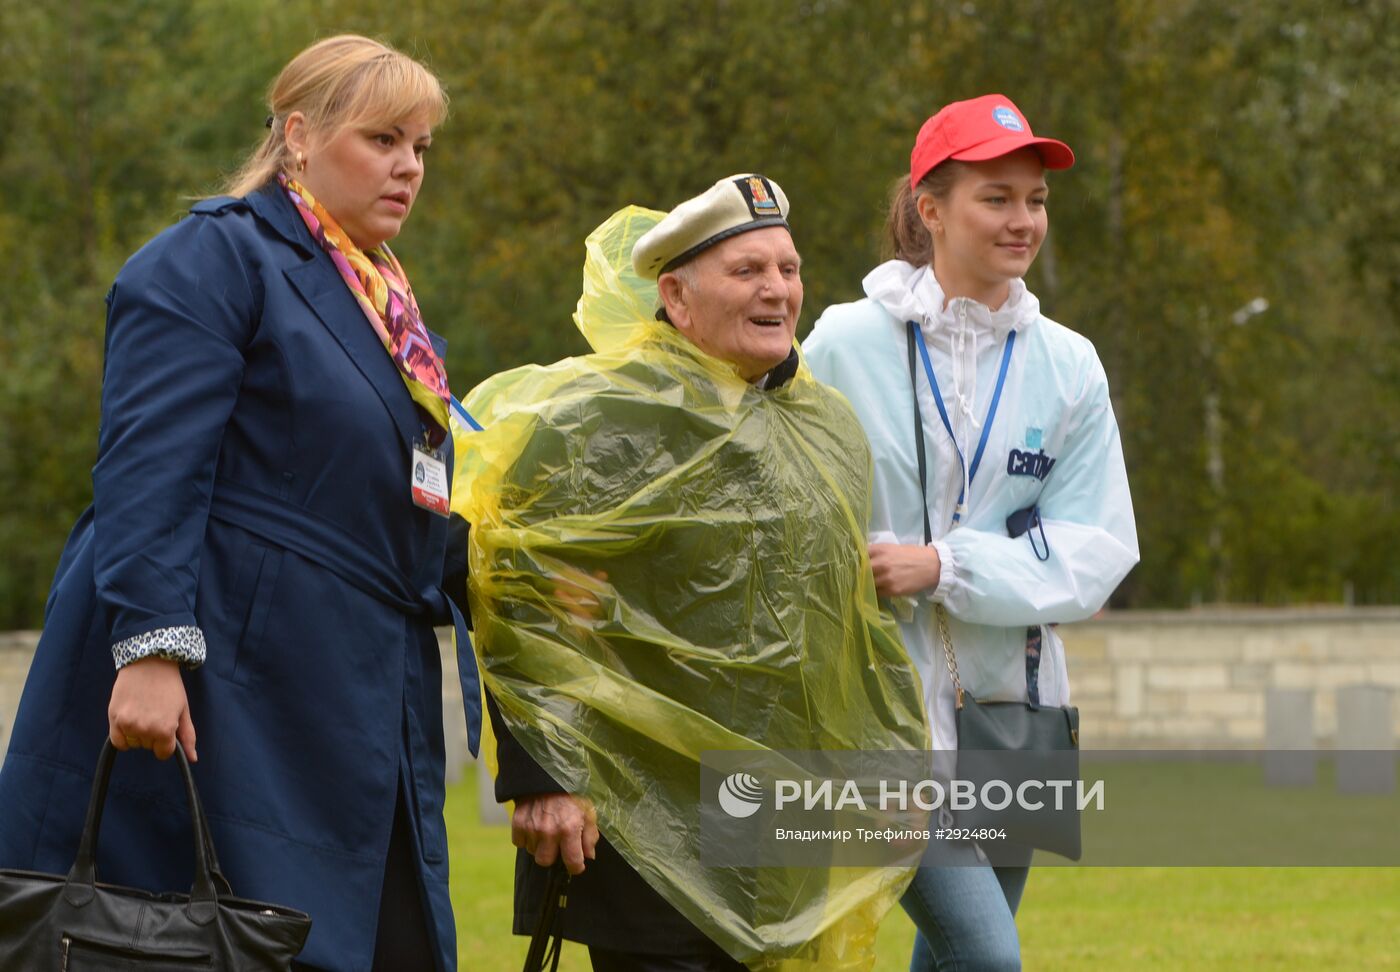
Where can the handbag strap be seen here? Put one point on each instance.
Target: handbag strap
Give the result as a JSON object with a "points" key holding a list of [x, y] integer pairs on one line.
{"points": [[948, 655], [216, 872], [919, 435], [82, 878], [546, 945]]}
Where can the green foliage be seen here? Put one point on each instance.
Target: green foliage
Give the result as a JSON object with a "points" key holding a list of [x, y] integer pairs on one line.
{"points": [[1227, 151]]}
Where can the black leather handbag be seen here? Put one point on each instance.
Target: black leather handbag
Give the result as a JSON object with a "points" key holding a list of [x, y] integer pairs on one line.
{"points": [[73, 923]]}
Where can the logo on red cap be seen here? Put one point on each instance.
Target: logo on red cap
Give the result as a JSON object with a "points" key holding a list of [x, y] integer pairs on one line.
{"points": [[1007, 119]]}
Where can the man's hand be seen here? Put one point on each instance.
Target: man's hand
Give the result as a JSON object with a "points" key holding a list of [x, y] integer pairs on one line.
{"points": [[575, 591], [551, 825], [902, 568], [149, 709]]}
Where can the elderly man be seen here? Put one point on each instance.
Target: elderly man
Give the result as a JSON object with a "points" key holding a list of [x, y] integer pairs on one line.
{"points": [[668, 557]]}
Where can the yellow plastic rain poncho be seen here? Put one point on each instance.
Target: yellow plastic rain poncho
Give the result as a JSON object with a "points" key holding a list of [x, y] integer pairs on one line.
{"points": [[720, 529]]}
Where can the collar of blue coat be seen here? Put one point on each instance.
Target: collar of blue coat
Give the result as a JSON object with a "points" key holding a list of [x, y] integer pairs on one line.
{"points": [[270, 205], [325, 293]]}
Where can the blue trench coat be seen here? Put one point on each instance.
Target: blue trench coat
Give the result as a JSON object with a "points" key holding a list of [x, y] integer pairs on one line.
{"points": [[253, 480]]}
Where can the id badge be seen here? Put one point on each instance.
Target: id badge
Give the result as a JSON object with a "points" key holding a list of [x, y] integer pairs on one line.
{"points": [[430, 481]]}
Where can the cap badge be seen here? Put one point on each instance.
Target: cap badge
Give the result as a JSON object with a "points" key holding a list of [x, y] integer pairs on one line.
{"points": [[1007, 119], [762, 203]]}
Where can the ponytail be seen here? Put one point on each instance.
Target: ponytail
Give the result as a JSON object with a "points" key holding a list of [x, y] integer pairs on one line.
{"points": [[906, 236]]}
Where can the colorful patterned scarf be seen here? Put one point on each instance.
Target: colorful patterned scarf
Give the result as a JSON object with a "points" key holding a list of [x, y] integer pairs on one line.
{"points": [[380, 285]]}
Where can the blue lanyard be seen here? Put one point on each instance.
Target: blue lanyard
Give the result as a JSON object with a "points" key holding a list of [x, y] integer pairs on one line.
{"points": [[943, 412], [465, 416]]}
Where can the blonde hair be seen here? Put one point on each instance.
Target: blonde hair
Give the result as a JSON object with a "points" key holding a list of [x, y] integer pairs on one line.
{"points": [[336, 83], [906, 236]]}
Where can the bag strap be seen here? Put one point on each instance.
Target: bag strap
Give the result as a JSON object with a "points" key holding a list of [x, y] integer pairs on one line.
{"points": [[82, 878], [545, 948], [216, 872], [919, 436], [948, 655]]}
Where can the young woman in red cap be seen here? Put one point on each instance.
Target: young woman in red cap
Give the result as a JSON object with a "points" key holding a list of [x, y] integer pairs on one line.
{"points": [[1001, 502]]}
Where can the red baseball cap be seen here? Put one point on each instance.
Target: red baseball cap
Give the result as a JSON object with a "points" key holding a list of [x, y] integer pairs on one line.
{"points": [[979, 129]]}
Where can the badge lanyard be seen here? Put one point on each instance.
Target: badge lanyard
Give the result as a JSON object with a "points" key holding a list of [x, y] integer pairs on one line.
{"points": [[465, 416], [918, 334]]}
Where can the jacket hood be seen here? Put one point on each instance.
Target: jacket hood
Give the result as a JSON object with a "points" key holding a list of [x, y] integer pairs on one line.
{"points": [[912, 293]]}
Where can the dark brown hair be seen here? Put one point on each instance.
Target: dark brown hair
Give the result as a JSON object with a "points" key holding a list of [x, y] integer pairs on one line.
{"points": [[906, 236]]}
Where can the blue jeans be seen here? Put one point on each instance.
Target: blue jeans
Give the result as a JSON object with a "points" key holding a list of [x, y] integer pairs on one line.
{"points": [[966, 917]]}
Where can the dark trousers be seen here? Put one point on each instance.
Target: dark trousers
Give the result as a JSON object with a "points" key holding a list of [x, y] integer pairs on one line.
{"points": [[402, 943], [715, 960]]}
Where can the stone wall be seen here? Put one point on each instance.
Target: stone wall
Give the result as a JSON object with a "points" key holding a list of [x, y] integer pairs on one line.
{"points": [[1142, 680], [16, 649], [1199, 679]]}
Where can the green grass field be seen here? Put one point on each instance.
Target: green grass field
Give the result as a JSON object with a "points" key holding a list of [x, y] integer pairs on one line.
{"points": [[1178, 919]]}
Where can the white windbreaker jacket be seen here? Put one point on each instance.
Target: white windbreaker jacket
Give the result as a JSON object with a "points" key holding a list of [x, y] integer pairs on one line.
{"points": [[1053, 443]]}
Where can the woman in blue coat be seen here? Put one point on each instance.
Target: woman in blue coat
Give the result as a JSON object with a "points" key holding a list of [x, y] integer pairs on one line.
{"points": [[264, 559]]}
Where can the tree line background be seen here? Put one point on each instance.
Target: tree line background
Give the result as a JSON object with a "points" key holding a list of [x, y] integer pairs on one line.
{"points": [[1229, 239]]}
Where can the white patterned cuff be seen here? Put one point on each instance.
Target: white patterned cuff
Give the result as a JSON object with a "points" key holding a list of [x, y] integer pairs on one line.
{"points": [[182, 643]]}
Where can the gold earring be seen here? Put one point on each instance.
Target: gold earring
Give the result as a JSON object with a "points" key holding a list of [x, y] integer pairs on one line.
{"points": [[301, 162]]}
